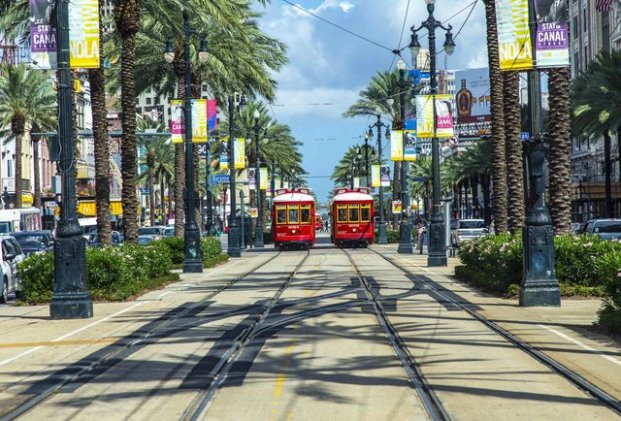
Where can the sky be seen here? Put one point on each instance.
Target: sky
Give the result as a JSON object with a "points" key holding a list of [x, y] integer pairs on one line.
{"points": [[328, 67]]}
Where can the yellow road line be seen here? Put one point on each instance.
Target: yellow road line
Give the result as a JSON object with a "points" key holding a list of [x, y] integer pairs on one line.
{"points": [[58, 343]]}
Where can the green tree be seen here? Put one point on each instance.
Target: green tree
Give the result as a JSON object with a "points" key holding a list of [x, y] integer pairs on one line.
{"points": [[26, 98], [513, 151]]}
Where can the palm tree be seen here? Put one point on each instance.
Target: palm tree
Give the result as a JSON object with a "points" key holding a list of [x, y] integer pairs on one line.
{"points": [[513, 145], [26, 97], [498, 120], [560, 150]]}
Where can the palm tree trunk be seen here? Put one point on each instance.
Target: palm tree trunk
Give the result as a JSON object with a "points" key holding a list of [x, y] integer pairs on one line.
{"points": [[18, 169], [36, 173], [498, 122], [513, 145], [178, 66], [608, 175], [96, 80], [486, 196], [162, 201], [151, 197], [560, 150], [396, 190], [127, 16], [476, 209]]}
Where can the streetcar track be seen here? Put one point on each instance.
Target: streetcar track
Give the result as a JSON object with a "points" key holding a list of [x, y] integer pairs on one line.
{"points": [[429, 399], [582, 383], [84, 371], [220, 371]]}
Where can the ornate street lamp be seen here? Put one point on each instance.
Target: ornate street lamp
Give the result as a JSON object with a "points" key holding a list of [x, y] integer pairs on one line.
{"points": [[382, 237], [437, 245], [405, 232], [234, 249], [192, 262], [70, 299], [258, 239]]}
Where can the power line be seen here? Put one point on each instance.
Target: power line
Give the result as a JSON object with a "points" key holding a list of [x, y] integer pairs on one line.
{"points": [[337, 26], [405, 19]]}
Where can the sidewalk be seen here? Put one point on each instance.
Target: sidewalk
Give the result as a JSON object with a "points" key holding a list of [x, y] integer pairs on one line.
{"points": [[564, 333]]}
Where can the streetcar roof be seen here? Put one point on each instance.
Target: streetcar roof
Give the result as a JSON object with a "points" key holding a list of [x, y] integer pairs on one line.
{"points": [[352, 196], [294, 197]]}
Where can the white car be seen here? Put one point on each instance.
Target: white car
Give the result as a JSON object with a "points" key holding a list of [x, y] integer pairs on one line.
{"points": [[470, 229], [10, 255]]}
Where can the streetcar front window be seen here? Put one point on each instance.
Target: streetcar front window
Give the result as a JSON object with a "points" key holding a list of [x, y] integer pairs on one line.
{"points": [[305, 215], [281, 215], [342, 214], [353, 213], [365, 213], [294, 215]]}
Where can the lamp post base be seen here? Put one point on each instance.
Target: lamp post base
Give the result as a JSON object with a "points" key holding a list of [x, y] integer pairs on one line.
{"points": [[437, 248], [544, 295], [435, 260], [71, 299], [258, 241], [539, 285], [192, 262], [233, 249], [382, 237], [405, 238]]}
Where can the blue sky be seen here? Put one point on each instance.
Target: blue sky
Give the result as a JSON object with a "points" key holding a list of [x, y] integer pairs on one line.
{"points": [[328, 67]]}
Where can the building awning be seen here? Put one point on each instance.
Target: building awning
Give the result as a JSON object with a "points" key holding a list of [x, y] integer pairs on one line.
{"points": [[88, 208]]}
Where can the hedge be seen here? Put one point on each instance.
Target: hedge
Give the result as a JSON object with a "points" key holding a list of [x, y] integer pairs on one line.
{"points": [[392, 235], [585, 265]]}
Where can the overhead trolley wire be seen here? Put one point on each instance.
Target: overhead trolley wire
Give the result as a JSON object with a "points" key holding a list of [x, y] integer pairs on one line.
{"points": [[337, 26]]}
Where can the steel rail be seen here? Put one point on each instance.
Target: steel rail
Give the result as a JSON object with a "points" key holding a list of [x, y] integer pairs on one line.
{"points": [[143, 339], [220, 371], [427, 395], [583, 384]]}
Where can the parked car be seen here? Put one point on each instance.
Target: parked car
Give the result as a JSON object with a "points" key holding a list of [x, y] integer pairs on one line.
{"points": [[578, 227], [153, 231], [93, 239], [34, 241], [606, 229], [169, 232], [10, 255], [146, 239], [470, 229]]}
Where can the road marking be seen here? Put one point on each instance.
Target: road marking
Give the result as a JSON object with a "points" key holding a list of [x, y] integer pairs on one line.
{"points": [[581, 345], [67, 335], [57, 343]]}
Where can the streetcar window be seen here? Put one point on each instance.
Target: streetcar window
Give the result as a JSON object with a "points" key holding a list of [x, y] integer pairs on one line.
{"points": [[365, 213], [342, 214], [353, 213], [293, 215], [305, 214], [281, 215]]}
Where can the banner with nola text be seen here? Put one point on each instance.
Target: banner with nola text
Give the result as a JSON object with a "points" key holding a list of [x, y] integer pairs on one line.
{"points": [[514, 42]]}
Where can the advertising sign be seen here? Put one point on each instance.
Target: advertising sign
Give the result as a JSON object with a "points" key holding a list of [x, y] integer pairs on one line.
{"points": [[514, 42], [552, 37], [254, 212], [177, 121], [375, 175], [199, 120], [42, 34], [240, 153], [409, 146], [212, 116], [473, 101], [356, 182], [444, 116], [252, 180], [385, 176], [264, 178], [396, 145], [83, 33], [396, 206], [224, 162]]}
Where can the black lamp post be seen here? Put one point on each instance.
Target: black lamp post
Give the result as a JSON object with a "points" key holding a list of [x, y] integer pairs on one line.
{"points": [[358, 162], [539, 286], [234, 249], [192, 262], [71, 299], [209, 225], [382, 237], [258, 238], [405, 232], [366, 161], [437, 246]]}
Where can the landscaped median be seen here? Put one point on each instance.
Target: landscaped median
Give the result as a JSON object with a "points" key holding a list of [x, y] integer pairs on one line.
{"points": [[585, 266], [116, 273]]}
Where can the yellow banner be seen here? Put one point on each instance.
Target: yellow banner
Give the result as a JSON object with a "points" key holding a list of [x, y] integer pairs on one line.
{"points": [[240, 153], [425, 116], [375, 176], [84, 34], [199, 120], [396, 145], [264, 178], [356, 182], [514, 43]]}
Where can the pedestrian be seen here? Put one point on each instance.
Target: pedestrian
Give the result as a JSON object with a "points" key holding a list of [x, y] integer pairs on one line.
{"points": [[420, 235]]}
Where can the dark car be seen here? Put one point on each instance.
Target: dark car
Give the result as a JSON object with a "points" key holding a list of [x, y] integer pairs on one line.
{"points": [[606, 229], [93, 239], [35, 241]]}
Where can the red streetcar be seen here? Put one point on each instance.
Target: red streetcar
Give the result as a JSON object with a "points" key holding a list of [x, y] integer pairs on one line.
{"points": [[352, 217], [318, 222], [293, 218]]}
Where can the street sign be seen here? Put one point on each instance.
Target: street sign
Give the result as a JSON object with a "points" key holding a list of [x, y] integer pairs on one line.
{"points": [[419, 179], [524, 136], [144, 191], [220, 179], [202, 149]]}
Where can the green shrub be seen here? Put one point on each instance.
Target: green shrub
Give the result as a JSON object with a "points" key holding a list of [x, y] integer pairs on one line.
{"points": [[392, 235], [210, 247], [215, 260], [576, 258], [37, 273], [609, 269], [176, 249]]}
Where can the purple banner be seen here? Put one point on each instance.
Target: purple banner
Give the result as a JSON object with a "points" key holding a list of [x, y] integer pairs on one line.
{"points": [[552, 38], [43, 33]]}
